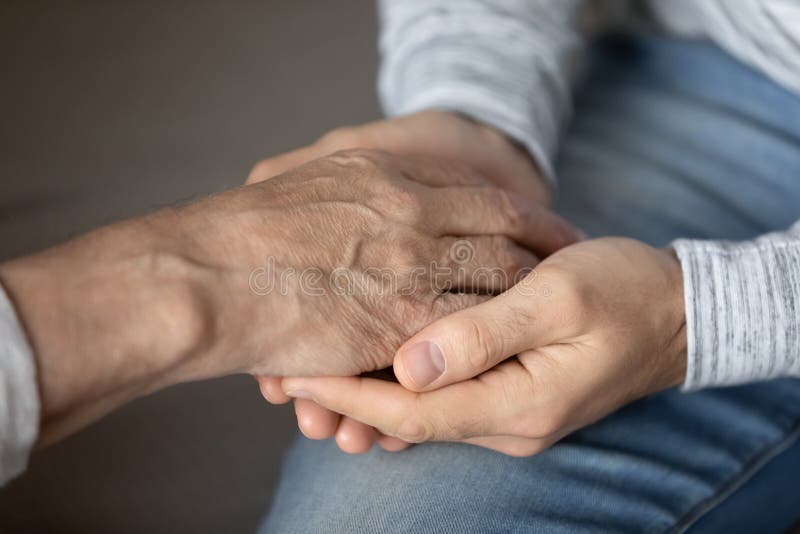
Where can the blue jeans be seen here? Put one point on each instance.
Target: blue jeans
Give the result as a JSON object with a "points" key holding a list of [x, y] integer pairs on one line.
{"points": [[670, 139]]}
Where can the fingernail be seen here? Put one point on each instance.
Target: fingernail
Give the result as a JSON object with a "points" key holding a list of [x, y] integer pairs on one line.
{"points": [[423, 363], [300, 394]]}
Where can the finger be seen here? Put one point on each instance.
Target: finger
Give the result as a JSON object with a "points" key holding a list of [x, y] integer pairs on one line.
{"points": [[336, 140], [280, 164], [434, 171], [270, 387], [490, 210], [437, 171], [354, 437], [468, 409], [314, 421], [392, 444], [482, 263], [467, 343]]}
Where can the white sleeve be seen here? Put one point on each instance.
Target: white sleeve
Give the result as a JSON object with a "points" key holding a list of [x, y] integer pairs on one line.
{"points": [[742, 308], [506, 63], [19, 395]]}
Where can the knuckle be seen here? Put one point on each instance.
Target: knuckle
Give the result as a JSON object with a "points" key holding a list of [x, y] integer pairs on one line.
{"points": [[404, 198], [575, 294], [393, 198], [514, 214], [478, 343], [414, 429], [406, 253], [362, 161]]}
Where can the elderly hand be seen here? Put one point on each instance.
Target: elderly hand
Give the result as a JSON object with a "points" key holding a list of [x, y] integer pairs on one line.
{"points": [[595, 326], [370, 224], [325, 269], [443, 135]]}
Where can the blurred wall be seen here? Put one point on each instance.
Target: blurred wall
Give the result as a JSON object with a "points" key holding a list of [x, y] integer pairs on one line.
{"points": [[111, 109]]}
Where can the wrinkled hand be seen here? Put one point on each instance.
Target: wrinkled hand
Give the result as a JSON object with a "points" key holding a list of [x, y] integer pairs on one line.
{"points": [[325, 269], [443, 135], [369, 224], [595, 326]]}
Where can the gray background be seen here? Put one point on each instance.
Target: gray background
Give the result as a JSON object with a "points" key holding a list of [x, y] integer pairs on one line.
{"points": [[111, 109]]}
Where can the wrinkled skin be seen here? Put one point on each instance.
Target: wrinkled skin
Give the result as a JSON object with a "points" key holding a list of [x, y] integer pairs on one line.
{"points": [[357, 215], [184, 293], [438, 134]]}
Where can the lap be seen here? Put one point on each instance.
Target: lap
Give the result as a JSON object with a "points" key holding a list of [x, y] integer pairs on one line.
{"points": [[647, 468], [669, 140]]}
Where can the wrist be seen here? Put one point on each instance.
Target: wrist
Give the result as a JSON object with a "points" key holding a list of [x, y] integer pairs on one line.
{"points": [[674, 355], [524, 171], [109, 318]]}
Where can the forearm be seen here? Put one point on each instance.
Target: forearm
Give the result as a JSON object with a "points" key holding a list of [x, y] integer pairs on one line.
{"points": [[174, 296], [109, 317], [742, 309]]}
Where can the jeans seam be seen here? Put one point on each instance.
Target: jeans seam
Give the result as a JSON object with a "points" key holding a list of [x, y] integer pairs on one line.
{"points": [[748, 470]]}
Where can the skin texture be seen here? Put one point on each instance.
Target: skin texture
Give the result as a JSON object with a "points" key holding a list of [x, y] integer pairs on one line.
{"points": [[439, 134], [172, 297], [597, 325]]}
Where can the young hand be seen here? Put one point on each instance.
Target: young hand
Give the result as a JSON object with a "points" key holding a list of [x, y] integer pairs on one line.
{"points": [[597, 325]]}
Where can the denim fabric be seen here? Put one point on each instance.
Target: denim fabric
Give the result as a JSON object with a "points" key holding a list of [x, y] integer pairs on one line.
{"points": [[670, 139]]}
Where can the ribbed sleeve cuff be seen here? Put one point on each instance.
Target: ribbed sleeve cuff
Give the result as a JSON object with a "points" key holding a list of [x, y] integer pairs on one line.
{"points": [[742, 309], [19, 395]]}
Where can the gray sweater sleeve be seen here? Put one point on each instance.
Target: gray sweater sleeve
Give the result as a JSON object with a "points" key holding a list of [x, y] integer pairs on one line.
{"points": [[742, 309], [506, 63], [19, 395]]}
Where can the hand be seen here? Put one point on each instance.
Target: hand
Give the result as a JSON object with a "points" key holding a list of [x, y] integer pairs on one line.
{"points": [[439, 134], [172, 296], [595, 326], [373, 213], [435, 133]]}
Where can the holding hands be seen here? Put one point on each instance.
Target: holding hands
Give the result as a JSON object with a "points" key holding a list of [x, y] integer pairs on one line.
{"points": [[323, 270], [597, 325]]}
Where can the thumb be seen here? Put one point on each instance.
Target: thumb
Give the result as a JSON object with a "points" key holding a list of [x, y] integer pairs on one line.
{"points": [[466, 343]]}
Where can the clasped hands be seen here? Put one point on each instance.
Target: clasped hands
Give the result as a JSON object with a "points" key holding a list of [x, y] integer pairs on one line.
{"points": [[249, 281], [594, 326]]}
